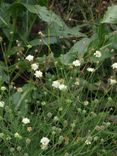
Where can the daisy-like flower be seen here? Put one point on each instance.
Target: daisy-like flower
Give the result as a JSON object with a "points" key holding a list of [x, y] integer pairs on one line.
{"points": [[97, 54], [25, 121], [2, 104], [90, 69], [38, 74], [30, 57], [114, 65], [62, 87], [44, 142], [76, 63], [34, 66], [56, 84]]}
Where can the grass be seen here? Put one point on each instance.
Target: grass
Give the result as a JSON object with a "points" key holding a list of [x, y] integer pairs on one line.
{"points": [[58, 86]]}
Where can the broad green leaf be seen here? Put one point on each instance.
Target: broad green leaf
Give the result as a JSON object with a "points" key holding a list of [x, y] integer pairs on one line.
{"points": [[27, 90], [65, 31], [44, 41], [110, 15], [79, 49], [113, 39], [44, 14], [56, 26], [81, 46]]}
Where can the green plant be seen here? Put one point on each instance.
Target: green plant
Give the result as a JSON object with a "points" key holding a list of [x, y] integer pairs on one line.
{"points": [[57, 84]]}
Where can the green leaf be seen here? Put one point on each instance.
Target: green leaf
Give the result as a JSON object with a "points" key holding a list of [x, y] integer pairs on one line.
{"points": [[79, 49], [4, 77], [13, 51], [113, 39], [43, 41], [110, 15], [3, 20], [4, 16], [56, 26], [81, 46], [21, 97], [65, 31], [44, 14]]}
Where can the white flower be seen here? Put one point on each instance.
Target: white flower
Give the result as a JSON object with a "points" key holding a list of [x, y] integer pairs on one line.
{"points": [[56, 118], [62, 87], [19, 89], [2, 104], [86, 103], [114, 65], [3, 88], [28, 141], [90, 69], [29, 58], [59, 85], [25, 121], [76, 63], [38, 74], [44, 141], [56, 84], [34, 66], [77, 83], [97, 54], [87, 142], [112, 81], [17, 135]]}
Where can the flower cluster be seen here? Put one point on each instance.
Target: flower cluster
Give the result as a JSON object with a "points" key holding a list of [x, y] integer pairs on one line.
{"points": [[97, 54], [59, 85], [76, 63], [34, 66], [90, 69]]}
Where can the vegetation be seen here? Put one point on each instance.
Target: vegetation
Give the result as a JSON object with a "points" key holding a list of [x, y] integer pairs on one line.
{"points": [[58, 78]]}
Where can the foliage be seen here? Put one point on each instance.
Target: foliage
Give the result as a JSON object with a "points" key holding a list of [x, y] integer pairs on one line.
{"points": [[57, 81], [110, 16]]}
